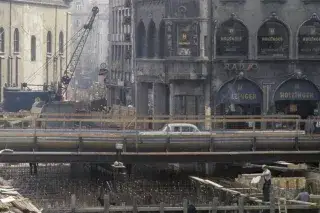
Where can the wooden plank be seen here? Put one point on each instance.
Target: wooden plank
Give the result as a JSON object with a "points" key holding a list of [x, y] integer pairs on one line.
{"points": [[234, 192]]}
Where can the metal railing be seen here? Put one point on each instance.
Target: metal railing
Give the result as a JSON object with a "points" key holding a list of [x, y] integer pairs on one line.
{"points": [[101, 121]]}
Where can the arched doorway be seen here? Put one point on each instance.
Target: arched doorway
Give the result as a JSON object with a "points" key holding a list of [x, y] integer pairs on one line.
{"points": [[240, 97], [297, 97]]}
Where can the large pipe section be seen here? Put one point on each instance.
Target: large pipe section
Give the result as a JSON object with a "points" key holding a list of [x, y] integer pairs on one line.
{"points": [[103, 141], [165, 157]]}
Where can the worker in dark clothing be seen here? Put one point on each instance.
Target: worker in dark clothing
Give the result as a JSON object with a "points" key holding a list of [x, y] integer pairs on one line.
{"points": [[303, 196], [266, 175]]}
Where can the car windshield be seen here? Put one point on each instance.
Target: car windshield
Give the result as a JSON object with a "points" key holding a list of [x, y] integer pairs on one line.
{"points": [[165, 128]]}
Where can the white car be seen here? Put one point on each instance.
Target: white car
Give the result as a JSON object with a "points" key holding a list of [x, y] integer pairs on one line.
{"points": [[176, 129]]}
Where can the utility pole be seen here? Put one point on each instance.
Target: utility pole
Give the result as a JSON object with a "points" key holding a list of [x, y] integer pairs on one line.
{"points": [[208, 81]]}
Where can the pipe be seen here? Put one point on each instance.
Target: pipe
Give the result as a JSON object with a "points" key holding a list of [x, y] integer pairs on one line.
{"points": [[103, 157]]}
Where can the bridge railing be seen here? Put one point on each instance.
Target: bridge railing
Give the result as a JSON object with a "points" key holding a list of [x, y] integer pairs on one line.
{"points": [[240, 206], [101, 121]]}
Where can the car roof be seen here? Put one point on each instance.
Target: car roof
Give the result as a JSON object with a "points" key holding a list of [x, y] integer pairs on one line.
{"points": [[181, 124]]}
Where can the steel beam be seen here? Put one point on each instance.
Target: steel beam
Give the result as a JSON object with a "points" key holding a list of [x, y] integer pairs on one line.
{"points": [[171, 157]]}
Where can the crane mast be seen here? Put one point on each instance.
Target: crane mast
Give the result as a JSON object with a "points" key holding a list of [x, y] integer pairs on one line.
{"points": [[74, 60]]}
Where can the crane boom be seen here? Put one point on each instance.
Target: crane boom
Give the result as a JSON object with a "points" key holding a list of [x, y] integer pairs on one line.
{"points": [[74, 60]]}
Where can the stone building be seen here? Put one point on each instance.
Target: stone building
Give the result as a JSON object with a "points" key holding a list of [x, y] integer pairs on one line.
{"points": [[95, 50], [33, 33], [265, 56], [119, 81]]}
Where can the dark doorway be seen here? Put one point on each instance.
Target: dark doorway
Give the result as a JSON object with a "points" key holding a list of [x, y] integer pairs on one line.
{"points": [[301, 108], [304, 109], [297, 97], [241, 109], [186, 105]]}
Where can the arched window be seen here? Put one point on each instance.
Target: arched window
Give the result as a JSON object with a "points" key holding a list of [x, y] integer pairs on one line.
{"points": [[151, 39], [308, 38], [49, 42], [232, 39], [16, 41], [141, 37], [61, 43], [1, 39], [33, 48], [273, 39]]}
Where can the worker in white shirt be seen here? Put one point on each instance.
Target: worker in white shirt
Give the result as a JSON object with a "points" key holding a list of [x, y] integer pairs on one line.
{"points": [[266, 175]]}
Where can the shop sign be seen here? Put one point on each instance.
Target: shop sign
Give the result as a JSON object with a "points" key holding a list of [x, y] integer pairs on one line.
{"points": [[297, 89], [273, 39], [240, 91]]}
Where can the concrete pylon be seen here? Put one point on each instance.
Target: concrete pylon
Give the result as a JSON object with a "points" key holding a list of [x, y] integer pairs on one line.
{"points": [[160, 94], [142, 105]]}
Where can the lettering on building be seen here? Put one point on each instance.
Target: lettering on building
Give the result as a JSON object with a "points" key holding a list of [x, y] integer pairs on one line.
{"points": [[273, 39], [309, 38], [241, 66], [232, 39], [297, 95], [244, 96]]}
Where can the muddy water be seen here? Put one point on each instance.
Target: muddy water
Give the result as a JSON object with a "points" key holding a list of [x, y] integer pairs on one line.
{"points": [[53, 185]]}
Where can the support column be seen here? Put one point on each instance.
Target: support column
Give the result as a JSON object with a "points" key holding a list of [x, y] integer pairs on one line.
{"points": [[160, 98], [171, 100], [142, 105], [266, 102]]}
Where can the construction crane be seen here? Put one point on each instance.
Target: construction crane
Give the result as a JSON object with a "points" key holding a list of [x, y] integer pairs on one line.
{"points": [[72, 65], [23, 98]]}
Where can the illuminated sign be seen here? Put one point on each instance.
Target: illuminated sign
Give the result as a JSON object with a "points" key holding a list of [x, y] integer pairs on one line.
{"points": [[184, 43]]}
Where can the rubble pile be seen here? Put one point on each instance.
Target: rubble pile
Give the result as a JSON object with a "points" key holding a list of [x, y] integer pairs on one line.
{"points": [[12, 201]]}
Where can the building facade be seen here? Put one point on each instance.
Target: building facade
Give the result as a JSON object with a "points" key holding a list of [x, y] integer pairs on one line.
{"points": [[32, 41], [95, 50], [265, 56], [119, 81]]}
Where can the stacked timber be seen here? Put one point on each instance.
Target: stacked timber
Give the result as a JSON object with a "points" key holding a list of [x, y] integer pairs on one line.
{"points": [[283, 186], [12, 201]]}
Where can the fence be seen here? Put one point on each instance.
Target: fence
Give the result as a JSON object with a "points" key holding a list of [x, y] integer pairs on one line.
{"points": [[241, 206]]}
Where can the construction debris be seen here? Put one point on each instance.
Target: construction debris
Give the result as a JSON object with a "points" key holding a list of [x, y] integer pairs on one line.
{"points": [[222, 188], [292, 166], [282, 166], [12, 201]]}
